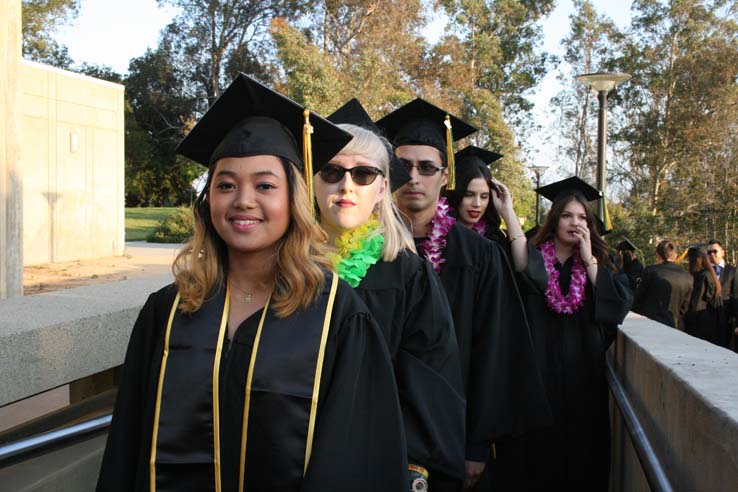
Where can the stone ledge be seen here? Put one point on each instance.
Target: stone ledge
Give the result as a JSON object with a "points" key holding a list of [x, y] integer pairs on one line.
{"points": [[685, 393], [50, 339]]}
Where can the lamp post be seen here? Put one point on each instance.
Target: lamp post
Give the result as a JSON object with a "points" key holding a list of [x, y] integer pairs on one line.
{"points": [[601, 83], [538, 170]]}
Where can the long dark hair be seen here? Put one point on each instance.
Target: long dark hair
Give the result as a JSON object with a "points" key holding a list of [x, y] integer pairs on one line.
{"points": [[547, 232], [699, 261], [491, 217]]}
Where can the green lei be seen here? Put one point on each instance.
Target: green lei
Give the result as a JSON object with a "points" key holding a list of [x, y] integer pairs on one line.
{"points": [[356, 251]]}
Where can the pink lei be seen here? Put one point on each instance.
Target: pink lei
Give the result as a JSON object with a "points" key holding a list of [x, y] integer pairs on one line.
{"points": [[433, 247], [574, 300], [480, 227]]}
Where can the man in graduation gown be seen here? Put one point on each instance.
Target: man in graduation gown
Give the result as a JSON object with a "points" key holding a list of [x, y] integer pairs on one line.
{"points": [[503, 387], [629, 262]]}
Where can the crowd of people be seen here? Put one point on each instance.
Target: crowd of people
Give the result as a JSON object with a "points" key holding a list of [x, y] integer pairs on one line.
{"points": [[350, 315], [701, 300]]}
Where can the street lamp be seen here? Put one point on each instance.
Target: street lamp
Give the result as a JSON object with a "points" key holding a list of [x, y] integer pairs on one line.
{"points": [[538, 170], [601, 83]]}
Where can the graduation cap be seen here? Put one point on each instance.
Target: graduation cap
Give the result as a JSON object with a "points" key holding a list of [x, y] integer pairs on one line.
{"points": [[354, 113], [559, 189], [626, 245], [251, 119], [421, 123], [471, 157]]}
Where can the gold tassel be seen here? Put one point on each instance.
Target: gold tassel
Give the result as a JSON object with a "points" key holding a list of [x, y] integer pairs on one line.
{"points": [[307, 157], [451, 185]]}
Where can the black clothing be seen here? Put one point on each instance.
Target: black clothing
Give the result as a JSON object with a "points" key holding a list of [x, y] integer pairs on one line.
{"points": [[503, 386], [358, 441], [704, 318], [633, 269], [406, 298], [573, 454], [663, 294], [729, 283]]}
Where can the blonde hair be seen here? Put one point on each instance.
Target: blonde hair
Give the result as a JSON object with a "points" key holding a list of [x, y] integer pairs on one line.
{"points": [[299, 273], [368, 144]]}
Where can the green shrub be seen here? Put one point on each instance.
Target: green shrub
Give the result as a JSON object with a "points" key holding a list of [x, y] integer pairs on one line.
{"points": [[176, 228]]}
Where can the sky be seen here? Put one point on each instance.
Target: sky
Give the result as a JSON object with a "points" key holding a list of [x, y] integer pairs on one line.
{"points": [[105, 33]]}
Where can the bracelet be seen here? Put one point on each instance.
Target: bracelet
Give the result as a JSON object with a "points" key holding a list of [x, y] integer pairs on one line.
{"points": [[590, 263], [515, 238]]}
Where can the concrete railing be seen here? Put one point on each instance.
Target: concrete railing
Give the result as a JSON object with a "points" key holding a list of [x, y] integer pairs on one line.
{"points": [[48, 340], [685, 394]]}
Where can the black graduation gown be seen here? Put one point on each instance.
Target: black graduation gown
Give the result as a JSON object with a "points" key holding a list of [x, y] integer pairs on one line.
{"points": [[359, 441], [574, 454], [705, 316], [503, 387], [406, 298]]}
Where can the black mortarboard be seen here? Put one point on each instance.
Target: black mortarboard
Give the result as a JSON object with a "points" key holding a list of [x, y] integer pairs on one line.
{"points": [[421, 123], [559, 189], [354, 113], [697, 249], [626, 245], [472, 156], [251, 119]]}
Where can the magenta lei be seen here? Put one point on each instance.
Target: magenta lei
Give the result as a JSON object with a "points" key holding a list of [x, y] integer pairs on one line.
{"points": [[480, 227], [433, 247], [556, 301]]}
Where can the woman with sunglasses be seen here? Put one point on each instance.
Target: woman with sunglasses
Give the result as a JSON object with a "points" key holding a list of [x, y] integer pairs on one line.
{"points": [[258, 369], [374, 253], [705, 317]]}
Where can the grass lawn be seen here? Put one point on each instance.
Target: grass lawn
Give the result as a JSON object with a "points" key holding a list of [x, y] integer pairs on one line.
{"points": [[140, 222]]}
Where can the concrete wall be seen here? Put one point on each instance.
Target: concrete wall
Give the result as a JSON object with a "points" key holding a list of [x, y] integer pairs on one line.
{"points": [[73, 166], [685, 393], [11, 209]]}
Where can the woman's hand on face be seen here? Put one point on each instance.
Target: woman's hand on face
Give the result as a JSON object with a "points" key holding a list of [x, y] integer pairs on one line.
{"points": [[585, 243]]}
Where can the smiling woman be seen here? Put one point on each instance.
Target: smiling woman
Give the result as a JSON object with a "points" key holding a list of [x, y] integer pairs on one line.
{"points": [[247, 372]]}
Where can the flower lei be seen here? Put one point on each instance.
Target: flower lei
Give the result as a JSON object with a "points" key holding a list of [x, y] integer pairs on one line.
{"points": [[480, 227], [575, 298], [433, 247], [356, 251]]}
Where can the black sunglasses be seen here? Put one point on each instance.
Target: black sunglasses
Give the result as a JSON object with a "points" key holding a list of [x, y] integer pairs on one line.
{"points": [[424, 168], [361, 175], [712, 251]]}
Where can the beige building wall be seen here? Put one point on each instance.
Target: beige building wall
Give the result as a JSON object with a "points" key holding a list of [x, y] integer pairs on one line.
{"points": [[73, 166]]}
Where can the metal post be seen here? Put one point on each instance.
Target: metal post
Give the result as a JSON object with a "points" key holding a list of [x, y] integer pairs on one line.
{"points": [[602, 149], [538, 199]]}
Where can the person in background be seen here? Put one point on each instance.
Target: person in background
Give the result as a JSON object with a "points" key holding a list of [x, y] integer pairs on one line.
{"points": [[471, 199], [665, 289], [729, 285], [629, 262], [502, 384], [704, 318], [574, 299]]}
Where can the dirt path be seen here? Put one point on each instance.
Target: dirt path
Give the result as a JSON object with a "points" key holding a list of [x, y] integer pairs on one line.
{"points": [[141, 259]]}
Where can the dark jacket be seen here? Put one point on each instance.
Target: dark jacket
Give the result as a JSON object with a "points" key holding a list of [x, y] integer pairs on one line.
{"points": [[663, 294], [729, 283]]}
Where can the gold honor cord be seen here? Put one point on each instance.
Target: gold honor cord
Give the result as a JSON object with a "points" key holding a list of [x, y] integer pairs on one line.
{"points": [[157, 408], [319, 370], [247, 399], [216, 380], [307, 157], [451, 185]]}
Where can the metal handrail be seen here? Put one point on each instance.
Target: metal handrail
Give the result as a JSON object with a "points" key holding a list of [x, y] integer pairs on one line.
{"points": [[25, 448], [652, 469]]}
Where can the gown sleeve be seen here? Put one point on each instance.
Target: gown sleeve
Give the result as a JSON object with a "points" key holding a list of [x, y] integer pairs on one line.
{"points": [[359, 438], [613, 296], [429, 379], [129, 433], [505, 395]]}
